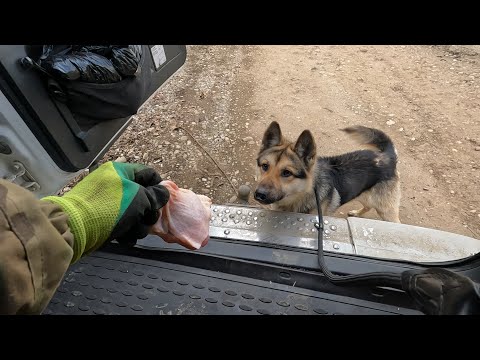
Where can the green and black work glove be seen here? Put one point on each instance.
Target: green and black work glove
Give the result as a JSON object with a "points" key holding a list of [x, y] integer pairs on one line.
{"points": [[116, 201]]}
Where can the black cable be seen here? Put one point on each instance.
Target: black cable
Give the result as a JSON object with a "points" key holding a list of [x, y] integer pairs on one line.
{"points": [[372, 279]]}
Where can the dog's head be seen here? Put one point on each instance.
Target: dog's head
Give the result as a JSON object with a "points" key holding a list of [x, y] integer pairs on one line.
{"points": [[284, 168]]}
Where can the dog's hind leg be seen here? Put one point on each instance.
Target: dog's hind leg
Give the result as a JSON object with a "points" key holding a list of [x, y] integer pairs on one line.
{"points": [[365, 200], [359, 212], [391, 215], [385, 198]]}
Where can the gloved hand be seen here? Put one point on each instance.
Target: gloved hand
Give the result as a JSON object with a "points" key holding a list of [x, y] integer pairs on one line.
{"points": [[116, 201]]}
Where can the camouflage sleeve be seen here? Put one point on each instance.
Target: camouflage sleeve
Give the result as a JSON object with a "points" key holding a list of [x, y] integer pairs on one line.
{"points": [[35, 250]]}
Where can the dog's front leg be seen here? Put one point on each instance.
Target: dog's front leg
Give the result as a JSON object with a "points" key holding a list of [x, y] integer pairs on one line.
{"points": [[325, 209]]}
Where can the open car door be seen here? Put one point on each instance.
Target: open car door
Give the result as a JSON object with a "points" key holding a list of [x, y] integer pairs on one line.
{"points": [[43, 144]]}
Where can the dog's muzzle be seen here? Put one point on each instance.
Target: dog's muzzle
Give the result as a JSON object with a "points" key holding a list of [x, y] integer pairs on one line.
{"points": [[263, 196]]}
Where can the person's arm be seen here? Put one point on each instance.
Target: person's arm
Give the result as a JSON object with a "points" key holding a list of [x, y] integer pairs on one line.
{"points": [[39, 239], [36, 248]]}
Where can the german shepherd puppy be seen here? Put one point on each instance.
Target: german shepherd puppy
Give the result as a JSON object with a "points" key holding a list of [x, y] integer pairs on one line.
{"points": [[288, 172]]}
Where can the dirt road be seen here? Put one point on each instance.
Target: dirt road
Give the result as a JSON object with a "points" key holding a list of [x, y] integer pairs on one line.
{"points": [[426, 98]]}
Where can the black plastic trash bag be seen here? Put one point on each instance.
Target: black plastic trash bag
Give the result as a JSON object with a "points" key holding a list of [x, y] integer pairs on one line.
{"points": [[126, 59], [101, 64], [104, 50], [84, 66], [101, 82]]}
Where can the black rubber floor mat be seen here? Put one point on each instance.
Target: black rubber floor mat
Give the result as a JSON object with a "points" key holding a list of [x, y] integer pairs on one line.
{"points": [[116, 285]]}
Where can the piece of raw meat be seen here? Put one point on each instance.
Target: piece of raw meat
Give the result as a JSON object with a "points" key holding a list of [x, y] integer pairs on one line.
{"points": [[185, 219]]}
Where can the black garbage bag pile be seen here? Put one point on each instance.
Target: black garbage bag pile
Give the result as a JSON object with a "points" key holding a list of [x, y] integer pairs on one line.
{"points": [[91, 63], [100, 82]]}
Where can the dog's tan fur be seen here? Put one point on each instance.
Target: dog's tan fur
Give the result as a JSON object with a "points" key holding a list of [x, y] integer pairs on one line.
{"points": [[384, 198]]}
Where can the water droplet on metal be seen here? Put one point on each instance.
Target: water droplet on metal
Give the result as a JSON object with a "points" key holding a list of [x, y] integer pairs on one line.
{"points": [[224, 219], [239, 212], [327, 232], [300, 219], [317, 225], [231, 216], [313, 230], [215, 209], [243, 217], [333, 227], [255, 218], [236, 221], [250, 213], [248, 222], [226, 232], [212, 218], [227, 211], [325, 222], [294, 223], [336, 246]]}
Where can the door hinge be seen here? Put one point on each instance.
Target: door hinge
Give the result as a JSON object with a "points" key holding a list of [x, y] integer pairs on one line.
{"points": [[20, 172]]}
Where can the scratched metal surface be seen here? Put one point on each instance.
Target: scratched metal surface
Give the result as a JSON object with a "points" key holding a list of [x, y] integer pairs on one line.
{"points": [[278, 228], [366, 237]]}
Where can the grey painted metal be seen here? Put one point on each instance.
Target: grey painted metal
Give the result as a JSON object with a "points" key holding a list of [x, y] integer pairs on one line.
{"points": [[366, 237], [407, 242], [279, 228], [29, 153]]}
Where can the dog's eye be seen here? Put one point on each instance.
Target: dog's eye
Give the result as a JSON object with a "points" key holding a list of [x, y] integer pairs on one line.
{"points": [[264, 167], [286, 173]]}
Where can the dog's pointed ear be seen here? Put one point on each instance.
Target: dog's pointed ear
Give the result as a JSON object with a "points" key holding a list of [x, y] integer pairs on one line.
{"points": [[272, 136], [305, 147]]}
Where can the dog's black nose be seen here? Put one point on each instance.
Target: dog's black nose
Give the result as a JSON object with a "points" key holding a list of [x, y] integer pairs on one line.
{"points": [[260, 195]]}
